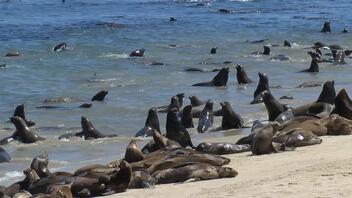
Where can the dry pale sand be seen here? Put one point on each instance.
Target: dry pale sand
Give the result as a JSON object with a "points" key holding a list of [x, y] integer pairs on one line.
{"points": [[323, 170]]}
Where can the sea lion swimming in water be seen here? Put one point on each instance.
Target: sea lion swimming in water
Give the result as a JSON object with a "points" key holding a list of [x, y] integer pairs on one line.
{"points": [[23, 133], [206, 118], [4, 156], [151, 123], [273, 106], [326, 27], [265, 52], [187, 117], [88, 131], [100, 96], [133, 153], [219, 80], [213, 50], [287, 44], [338, 57], [241, 75], [343, 105], [262, 86], [175, 129], [60, 47], [314, 67], [19, 111], [137, 53], [230, 119], [12, 54], [222, 148]]}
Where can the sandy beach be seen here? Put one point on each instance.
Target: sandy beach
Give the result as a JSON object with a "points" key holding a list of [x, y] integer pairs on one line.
{"points": [[316, 171]]}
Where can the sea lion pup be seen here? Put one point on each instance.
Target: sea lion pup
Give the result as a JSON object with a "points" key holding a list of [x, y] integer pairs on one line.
{"points": [[287, 44], [22, 134], [219, 80], [265, 52], [241, 75], [137, 53], [19, 111], [197, 171], [40, 165], [326, 27], [213, 50], [4, 156], [175, 129], [206, 118], [273, 106], [100, 96], [12, 54], [30, 177], [314, 67], [338, 57], [88, 131], [222, 148], [195, 101], [133, 153], [262, 86], [151, 123], [187, 117], [60, 47], [343, 105], [230, 119]]}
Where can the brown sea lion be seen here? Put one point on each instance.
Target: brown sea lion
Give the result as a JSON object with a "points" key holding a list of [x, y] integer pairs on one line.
{"points": [[337, 125], [343, 105], [133, 153]]}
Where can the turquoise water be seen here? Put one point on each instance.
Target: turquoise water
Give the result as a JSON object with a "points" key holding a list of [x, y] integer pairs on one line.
{"points": [[97, 60]]}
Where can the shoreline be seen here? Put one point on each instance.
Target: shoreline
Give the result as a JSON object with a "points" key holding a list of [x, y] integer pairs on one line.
{"points": [[313, 171]]}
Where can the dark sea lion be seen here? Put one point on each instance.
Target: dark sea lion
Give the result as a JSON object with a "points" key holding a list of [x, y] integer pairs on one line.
{"points": [[30, 177], [219, 80], [88, 131], [23, 133], [140, 179], [287, 44], [262, 141], [60, 47], [159, 141], [241, 75], [12, 54], [151, 123], [180, 97], [4, 156], [326, 27], [197, 171], [285, 116], [206, 118], [175, 129], [213, 50], [133, 153], [86, 105], [100, 96], [262, 86], [314, 67], [328, 93], [187, 117], [222, 148], [257, 41], [173, 19], [343, 105], [137, 53], [345, 30], [2, 66], [230, 119], [339, 57], [265, 52], [224, 11], [174, 103], [195, 101], [337, 47], [273, 106], [40, 165], [19, 111]]}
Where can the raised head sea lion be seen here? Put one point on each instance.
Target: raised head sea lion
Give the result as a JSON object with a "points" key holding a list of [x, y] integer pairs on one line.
{"points": [[19, 111], [40, 165], [219, 80], [287, 44], [314, 67], [241, 75], [174, 103], [328, 93], [151, 123], [213, 50], [262, 141], [133, 153], [187, 117], [60, 47], [262, 86], [326, 27], [100, 96], [343, 105], [230, 119], [206, 118], [273, 106], [175, 129], [137, 53]]}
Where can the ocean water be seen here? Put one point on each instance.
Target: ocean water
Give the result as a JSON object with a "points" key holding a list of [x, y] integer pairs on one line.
{"points": [[97, 59]]}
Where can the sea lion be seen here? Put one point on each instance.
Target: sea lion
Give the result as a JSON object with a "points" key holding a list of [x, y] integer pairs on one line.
{"points": [[175, 129], [287, 44], [314, 67], [140, 179], [262, 141], [180, 97], [159, 141], [60, 47], [137, 53], [338, 57], [2, 66], [222, 148], [23, 133], [195, 101], [12, 54], [173, 19], [213, 50], [326, 27], [345, 30], [133, 153], [88, 131], [85, 105], [4, 156], [206, 118], [187, 117], [262, 86], [265, 52], [30, 177], [241, 75], [197, 171], [174, 103], [19, 111], [40, 165], [280, 57], [337, 125], [328, 93], [100, 96], [230, 119], [296, 137], [273, 106], [151, 123], [343, 105], [224, 11], [219, 80]]}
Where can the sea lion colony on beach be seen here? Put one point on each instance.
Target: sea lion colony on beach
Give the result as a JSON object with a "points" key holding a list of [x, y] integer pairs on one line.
{"points": [[171, 157]]}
